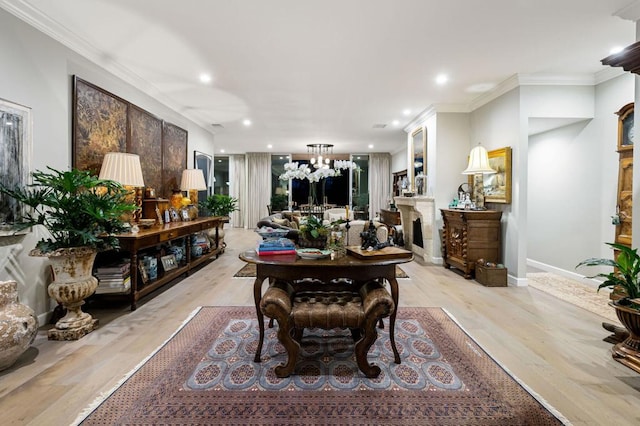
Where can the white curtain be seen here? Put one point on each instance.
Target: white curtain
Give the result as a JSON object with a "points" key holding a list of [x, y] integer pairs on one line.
{"points": [[379, 182], [239, 189], [259, 186]]}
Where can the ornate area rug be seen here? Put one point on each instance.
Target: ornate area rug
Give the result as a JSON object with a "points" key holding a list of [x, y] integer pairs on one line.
{"points": [[574, 292], [205, 375], [249, 271]]}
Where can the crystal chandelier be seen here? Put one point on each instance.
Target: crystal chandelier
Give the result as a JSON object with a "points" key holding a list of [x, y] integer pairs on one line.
{"points": [[320, 154]]}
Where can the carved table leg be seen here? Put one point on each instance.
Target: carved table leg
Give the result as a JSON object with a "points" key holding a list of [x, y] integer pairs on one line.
{"points": [[257, 296]]}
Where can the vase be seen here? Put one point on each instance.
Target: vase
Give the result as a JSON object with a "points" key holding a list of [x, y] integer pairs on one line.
{"points": [[18, 325], [627, 352], [72, 283]]}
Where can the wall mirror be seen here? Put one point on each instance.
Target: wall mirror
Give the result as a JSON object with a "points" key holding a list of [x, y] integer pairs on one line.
{"points": [[419, 158]]}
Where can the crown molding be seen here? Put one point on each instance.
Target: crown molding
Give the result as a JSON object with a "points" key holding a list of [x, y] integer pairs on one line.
{"points": [[33, 17], [631, 12], [607, 73]]}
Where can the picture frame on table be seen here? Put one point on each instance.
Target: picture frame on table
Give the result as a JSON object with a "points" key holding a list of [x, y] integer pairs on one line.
{"points": [[144, 276], [169, 262]]}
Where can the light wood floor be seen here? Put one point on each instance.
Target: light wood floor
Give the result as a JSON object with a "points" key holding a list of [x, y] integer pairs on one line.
{"points": [[553, 347]]}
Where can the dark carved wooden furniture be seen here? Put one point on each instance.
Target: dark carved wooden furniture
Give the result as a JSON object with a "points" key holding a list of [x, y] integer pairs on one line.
{"points": [[301, 273], [311, 304], [470, 235], [146, 238]]}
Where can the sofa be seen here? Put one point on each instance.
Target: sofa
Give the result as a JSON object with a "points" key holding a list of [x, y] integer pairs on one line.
{"points": [[278, 221]]}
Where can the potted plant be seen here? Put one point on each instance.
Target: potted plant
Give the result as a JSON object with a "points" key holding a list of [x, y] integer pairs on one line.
{"points": [[82, 214], [218, 205], [313, 233], [625, 280]]}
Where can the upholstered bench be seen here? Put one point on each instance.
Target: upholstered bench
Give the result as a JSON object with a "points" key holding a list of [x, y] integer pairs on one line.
{"points": [[357, 309]]}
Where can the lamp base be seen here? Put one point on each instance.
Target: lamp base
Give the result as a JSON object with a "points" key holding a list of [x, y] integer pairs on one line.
{"points": [[478, 190]]}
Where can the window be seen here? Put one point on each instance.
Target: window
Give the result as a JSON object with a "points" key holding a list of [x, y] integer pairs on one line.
{"points": [[221, 175], [279, 188], [360, 186]]}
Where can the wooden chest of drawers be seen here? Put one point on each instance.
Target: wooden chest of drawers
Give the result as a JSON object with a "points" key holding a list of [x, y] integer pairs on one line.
{"points": [[470, 235]]}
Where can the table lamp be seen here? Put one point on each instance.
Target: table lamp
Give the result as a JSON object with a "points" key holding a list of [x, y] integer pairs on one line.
{"points": [[478, 166], [193, 181], [125, 169]]}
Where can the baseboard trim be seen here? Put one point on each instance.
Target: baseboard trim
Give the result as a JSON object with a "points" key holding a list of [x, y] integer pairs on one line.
{"points": [[563, 272]]}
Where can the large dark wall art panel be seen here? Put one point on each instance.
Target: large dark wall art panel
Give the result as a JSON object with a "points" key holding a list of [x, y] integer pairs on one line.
{"points": [[103, 122]]}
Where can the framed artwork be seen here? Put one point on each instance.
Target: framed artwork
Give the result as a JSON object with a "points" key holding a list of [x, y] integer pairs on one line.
{"points": [[204, 162], [99, 125], [144, 276], [174, 157], [15, 157], [145, 139], [497, 186], [169, 262]]}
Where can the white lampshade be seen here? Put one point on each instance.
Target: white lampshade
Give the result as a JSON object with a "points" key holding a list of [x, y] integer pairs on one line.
{"points": [[192, 179], [123, 168], [478, 162]]}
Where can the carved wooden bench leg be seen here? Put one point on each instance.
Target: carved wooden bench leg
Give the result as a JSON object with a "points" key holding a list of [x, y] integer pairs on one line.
{"points": [[292, 347]]}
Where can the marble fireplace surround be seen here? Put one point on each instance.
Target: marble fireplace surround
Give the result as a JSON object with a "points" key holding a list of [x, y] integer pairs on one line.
{"points": [[412, 208]]}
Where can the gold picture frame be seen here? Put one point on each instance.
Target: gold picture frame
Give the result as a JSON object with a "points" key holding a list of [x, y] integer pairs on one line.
{"points": [[497, 186]]}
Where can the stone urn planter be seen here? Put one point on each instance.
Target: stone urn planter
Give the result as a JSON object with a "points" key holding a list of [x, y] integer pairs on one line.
{"points": [[72, 283], [18, 325], [627, 352]]}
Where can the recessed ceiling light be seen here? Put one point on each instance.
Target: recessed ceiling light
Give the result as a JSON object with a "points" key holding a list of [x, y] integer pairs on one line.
{"points": [[442, 79], [616, 49], [370, 146], [396, 122], [219, 161], [406, 112], [269, 146], [205, 78], [246, 122], [222, 150]]}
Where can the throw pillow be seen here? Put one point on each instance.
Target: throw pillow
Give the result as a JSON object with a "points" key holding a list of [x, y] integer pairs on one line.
{"points": [[282, 222]]}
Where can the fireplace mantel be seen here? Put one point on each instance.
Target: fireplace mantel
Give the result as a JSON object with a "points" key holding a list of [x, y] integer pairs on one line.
{"points": [[412, 208]]}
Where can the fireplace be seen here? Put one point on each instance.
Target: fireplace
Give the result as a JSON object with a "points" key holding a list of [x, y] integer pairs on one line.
{"points": [[417, 232], [417, 215]]}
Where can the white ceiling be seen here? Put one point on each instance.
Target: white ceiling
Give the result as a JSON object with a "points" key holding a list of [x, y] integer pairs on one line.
{"points": [[328, 71]]}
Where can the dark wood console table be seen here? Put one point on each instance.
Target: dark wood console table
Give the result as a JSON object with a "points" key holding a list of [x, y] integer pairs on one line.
{"points": [[470, 235], [150, 237], [291, 268]]}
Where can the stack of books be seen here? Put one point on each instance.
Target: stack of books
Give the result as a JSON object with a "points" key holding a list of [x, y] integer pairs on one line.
{"points": [[113, 278], [276, 246]]}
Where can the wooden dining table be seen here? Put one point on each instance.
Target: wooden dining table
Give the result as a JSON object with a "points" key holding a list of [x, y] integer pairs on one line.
{"points": [[301, 273]]}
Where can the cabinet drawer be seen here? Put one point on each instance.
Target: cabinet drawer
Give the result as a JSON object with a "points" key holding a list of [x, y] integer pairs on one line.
{"points": [[168, 235]]}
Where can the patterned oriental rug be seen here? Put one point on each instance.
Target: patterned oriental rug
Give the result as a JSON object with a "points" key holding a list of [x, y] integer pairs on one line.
{"points": [[249, 271], [205, 375]]}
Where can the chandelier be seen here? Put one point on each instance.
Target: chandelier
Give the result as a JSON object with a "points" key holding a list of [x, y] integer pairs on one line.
{"points": [[320, 154], [320, 165]]}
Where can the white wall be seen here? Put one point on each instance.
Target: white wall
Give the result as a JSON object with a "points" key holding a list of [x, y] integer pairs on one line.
{"points": [[37, 72], [573, 172], [498, 125]]}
